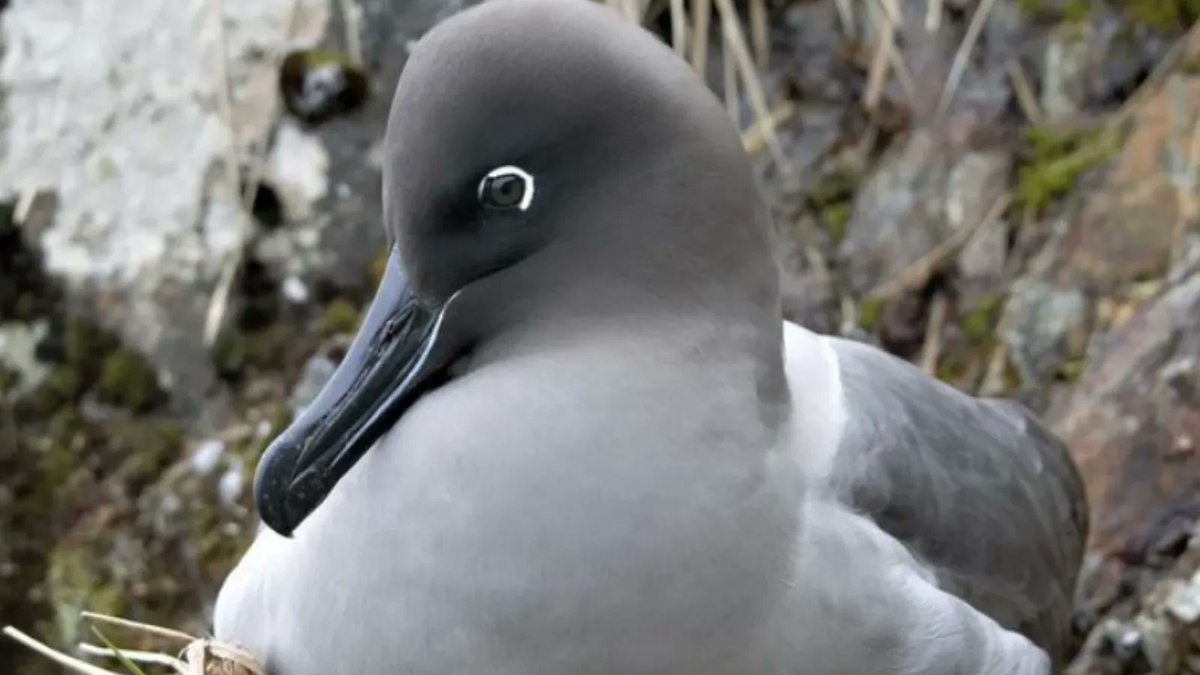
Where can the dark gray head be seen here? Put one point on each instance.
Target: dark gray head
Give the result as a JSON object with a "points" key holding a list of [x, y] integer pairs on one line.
{"points": [[546, 160]]}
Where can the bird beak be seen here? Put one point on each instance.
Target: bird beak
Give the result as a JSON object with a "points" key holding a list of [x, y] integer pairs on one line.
{"points": [[396, 357]]}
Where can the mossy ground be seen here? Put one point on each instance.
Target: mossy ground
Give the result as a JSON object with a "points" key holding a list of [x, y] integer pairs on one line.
{"points": [[107, 513]]}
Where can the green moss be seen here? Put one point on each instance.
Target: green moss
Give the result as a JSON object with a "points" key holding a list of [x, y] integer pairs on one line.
{"points": [[1056, 160], [1070, 370], [1164, 15], [1071, 11], [340, 316], [9, 380], [1190, 66], [73, 584], [869, 311], [128, 381], [836, 216], [61, 388], [147, 445], [832, 198], [978, 321]]}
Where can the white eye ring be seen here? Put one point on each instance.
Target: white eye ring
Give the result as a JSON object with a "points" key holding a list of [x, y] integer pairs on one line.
{"points": [[510, 170]]}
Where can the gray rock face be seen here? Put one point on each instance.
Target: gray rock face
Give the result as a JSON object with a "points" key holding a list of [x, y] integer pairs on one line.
{"points": [[123, 115], [923, 191]]}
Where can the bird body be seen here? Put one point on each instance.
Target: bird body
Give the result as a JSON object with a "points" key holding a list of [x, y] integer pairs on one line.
{"points": [[574, 433]]}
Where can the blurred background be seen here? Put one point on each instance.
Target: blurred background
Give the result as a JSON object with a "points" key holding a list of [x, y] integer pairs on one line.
{"points": [[1003, 191]]}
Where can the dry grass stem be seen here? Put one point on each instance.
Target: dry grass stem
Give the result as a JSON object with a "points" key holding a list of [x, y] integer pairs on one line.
{"points": [[1186, 188], [352, 22], [679, 28], [633, 9], [24, 204], [219, 300], [845, 12], [1185, 47], [138, 626], [880, 61], [993, 378], [899, 67], [69, 662], [931, 350], [917, 274], [893, 11], [735, 42], [959, 65], [933, 16], [759, 33], [198, 656], [701, 18], [754, 138], [153, 658], [1024, 91], [730, 87]]}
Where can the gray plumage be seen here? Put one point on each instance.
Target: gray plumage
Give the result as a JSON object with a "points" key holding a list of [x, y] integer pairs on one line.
{"points": [[630, 464]]}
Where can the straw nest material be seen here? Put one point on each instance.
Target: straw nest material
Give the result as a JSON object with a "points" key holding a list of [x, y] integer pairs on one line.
{"points": [[196, 656]]}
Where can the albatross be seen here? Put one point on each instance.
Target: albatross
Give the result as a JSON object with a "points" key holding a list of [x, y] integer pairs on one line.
{"points": [[574, 434]]}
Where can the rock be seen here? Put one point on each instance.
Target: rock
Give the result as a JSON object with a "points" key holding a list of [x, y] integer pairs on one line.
{"points": [[1119, 54], [1184, 601], [1064, 90], [924, 190], [297, 169], [118, 112], [1133, 425], [1125, 229], [346, 231], [18, 357], [1047, 326]]}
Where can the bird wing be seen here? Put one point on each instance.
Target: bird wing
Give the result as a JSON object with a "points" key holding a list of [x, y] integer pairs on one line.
{"points": [[976, 488]]}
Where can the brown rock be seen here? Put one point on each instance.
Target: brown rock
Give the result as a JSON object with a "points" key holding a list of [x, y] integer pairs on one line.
{"points": [[1124, 231], [1133, 426]]}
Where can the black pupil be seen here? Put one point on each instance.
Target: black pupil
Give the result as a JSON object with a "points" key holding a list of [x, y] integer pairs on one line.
{"points": [[504, 191]]}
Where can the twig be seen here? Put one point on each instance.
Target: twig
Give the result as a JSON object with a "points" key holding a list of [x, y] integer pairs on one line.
{"points": [[758, 32], [877, 75], [932, 348], [918, 272], [54, 655], [1024, 91], [701, 17], [736, 42], [678, 28], [959, 65]]}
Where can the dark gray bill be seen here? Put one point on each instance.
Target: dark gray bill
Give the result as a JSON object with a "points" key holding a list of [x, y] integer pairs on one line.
{"points": [[393, 360]]}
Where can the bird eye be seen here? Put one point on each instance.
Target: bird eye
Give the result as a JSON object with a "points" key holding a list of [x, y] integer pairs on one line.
{"points": [[506, 187]]}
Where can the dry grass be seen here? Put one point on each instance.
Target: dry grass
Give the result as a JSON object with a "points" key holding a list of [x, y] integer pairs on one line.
{"points": [[194, 656]]}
